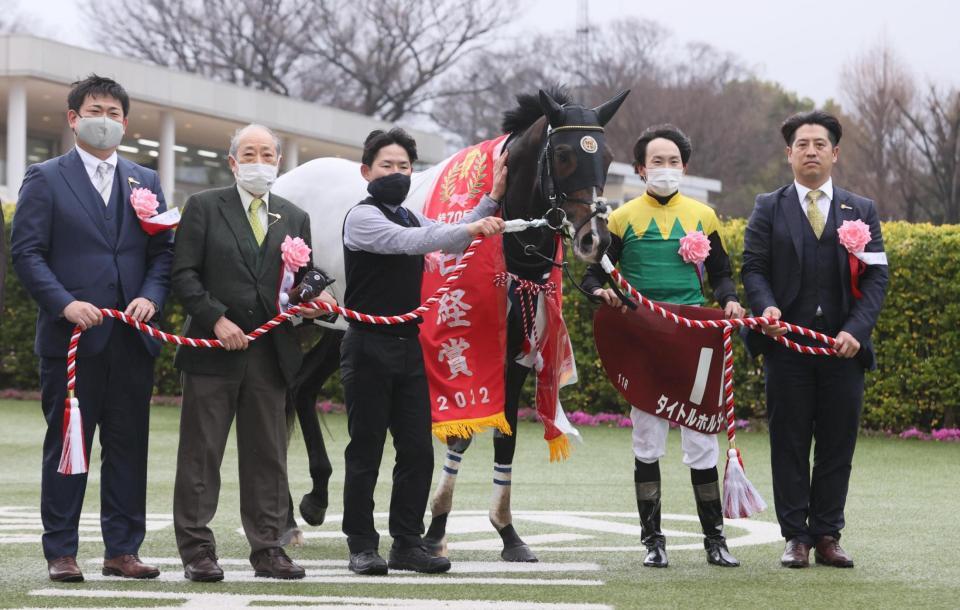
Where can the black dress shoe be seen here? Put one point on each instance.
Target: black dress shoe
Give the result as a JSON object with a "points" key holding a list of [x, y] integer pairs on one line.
{"points": [[203, 568], [718, 554], [417, 559], [274, 563], [367, 563], [656, 555], [313, 509], [796, 554]]}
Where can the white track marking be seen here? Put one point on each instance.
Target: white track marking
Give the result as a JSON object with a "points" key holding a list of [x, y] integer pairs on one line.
{"points": [[394, 578], [230, 600]]}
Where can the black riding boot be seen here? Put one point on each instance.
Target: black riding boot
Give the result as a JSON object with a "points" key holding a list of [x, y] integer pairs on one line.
{"points": [[710, 511], [648, 505]]}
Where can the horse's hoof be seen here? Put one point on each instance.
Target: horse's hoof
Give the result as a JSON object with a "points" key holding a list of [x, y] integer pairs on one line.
{"points": [[519, 553], [437, 548], [313, 510]]}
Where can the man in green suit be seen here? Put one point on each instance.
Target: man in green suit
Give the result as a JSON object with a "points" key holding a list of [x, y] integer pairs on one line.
{"points": [[226, 272]]}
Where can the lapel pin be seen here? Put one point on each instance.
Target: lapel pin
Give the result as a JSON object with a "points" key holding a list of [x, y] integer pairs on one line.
{"points": [[845, 207], [131, 181]]}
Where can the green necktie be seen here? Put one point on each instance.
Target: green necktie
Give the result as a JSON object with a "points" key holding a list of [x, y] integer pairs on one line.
{"points": [[814, 215], [254, 218]]}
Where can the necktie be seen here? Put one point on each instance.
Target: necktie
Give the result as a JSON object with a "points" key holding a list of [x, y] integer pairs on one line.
{"points": [[254, 217], [404, 216], [102, 181], [814, 215]]}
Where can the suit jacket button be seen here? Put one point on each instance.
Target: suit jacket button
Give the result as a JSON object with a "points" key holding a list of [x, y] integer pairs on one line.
{"points": [[249, 312], [111, 286]]}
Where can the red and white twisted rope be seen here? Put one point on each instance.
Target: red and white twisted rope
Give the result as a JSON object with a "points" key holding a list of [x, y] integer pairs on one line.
{"points": [[752, 323], [280, 318]]}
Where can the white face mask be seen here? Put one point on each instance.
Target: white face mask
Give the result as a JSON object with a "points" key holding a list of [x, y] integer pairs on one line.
{"points": [[100, 132], [256, 178], [664, 181]]}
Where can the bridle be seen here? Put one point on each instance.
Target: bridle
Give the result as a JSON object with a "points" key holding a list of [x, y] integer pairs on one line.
{"points": [[556, 217]]}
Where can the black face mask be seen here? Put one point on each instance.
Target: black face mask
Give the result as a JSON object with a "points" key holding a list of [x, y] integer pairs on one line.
{"points": [[391, 190]]}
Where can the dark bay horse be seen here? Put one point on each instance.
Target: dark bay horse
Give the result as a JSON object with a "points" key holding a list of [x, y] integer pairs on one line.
{"points": [[557, 170]]}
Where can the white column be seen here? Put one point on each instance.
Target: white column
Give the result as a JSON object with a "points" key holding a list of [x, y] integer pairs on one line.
{"points": [[16, 136], [291, 153], [67, 138], [166, 165]]}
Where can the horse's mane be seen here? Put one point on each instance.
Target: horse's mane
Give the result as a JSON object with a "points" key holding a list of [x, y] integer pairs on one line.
{"points": [[528, 108]]}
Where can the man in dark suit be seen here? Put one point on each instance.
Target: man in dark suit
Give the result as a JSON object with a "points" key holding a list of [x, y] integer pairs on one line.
{"points": [[77, 246], [227, 269], [795, 268]]}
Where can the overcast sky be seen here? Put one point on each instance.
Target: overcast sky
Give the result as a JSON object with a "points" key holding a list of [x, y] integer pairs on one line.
{"points": [[801, 45]]}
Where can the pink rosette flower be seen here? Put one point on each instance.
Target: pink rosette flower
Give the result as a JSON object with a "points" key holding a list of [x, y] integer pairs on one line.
{"points": [[694, 247], [294, 252], [854, 235], [144, 203]]}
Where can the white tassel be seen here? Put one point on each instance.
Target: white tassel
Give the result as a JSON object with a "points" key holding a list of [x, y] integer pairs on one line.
{"points": [[73, 458], [740, 498]]}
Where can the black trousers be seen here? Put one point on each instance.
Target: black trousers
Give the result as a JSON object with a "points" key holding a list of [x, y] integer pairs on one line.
{"points": [[814, 399], [114, 389], [385, 387]]}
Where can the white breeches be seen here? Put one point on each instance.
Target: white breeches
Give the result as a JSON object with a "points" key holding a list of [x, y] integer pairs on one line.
{"points": [[700, 451]]}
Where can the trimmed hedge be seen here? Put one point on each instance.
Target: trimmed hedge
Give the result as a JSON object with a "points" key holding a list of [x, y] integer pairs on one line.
{"points": [[917, 337]]}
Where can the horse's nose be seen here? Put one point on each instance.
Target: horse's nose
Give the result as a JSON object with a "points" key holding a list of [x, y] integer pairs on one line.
{"points": [[586, 241]]}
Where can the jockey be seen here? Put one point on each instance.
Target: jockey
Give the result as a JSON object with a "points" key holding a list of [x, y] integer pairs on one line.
{"points": [[645, 237], [381, 366]]}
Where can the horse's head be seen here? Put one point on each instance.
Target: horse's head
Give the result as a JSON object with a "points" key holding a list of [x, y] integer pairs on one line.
{"points": [[573, 171]]}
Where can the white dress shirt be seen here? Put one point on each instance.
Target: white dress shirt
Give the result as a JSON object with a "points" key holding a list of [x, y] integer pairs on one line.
{"points": [[91, 163], [246, 199], [826, 196]]}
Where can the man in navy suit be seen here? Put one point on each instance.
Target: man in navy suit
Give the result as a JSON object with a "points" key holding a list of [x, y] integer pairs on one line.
{"points": [[795, 268], [77, 246]]}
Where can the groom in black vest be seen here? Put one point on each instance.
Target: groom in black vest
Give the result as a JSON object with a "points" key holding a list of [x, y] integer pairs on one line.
{"points": [[795, 268], [384, 382]]}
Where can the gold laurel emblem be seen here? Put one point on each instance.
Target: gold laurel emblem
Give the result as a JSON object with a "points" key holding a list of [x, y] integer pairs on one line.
{"points": [[467, 175], [588, 144]]}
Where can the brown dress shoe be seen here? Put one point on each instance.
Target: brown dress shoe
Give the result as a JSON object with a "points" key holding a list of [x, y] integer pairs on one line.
{"points": [[828, 552], [274, 563], [129, 566], [64, 569], [796, 554], [203, 568]]}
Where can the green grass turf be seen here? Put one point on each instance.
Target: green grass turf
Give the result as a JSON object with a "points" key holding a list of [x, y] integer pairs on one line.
{"points": [[902, 516]]}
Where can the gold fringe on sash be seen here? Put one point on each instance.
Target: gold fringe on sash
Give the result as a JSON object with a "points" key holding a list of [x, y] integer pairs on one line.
{"points": [[465, 428], [559, 448]]}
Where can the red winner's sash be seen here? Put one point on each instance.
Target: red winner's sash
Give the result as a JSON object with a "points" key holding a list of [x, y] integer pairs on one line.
{"points": [[662, 368], [464, 338]]}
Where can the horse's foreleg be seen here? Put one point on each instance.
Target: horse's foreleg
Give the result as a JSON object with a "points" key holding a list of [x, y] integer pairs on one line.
{"points": [[319, 363], [442, 503], [504, 446]]}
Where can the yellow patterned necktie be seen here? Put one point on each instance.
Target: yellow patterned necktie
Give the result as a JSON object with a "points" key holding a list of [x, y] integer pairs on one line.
{"points": [[254, 218], [814, 215]]}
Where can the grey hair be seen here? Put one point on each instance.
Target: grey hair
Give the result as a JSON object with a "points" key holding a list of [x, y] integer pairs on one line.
{"points": [[235, 140]]}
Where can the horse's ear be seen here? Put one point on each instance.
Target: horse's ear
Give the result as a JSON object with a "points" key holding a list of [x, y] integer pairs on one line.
{"points": [[606, 110], [552, 110]]}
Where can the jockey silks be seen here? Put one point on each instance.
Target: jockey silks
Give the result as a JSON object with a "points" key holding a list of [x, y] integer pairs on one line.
{"points": [[384, 284]]}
